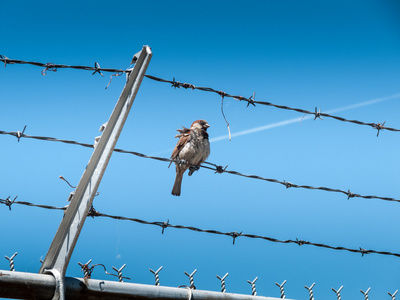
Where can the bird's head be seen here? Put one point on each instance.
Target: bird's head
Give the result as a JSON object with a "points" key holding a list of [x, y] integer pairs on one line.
{"points": [[200, 124]]}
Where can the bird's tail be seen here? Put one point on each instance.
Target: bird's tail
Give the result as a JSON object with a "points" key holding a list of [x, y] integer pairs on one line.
{"points": [[176, 190]]}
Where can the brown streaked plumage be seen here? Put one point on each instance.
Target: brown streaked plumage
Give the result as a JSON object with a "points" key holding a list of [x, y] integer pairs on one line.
{"points": [[193, 147]]}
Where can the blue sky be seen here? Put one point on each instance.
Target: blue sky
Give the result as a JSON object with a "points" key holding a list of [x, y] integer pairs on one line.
{"points": [[327, 54]]}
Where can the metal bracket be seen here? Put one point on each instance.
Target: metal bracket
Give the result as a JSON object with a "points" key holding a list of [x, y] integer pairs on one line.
{"points": [[59, 292]]}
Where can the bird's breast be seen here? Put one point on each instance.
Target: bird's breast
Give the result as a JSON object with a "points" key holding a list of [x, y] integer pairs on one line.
{"points": [[195, 151]]}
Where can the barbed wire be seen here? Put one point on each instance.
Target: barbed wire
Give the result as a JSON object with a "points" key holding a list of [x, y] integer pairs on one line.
{"points": [[176, 84], [250, 100], [233, 234], [9, 203], [53, 67], [216, 168]]}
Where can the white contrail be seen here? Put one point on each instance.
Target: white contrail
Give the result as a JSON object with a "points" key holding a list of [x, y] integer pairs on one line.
{"points": [[290, 121]]}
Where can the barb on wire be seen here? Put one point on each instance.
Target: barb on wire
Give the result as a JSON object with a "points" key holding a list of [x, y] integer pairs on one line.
{"points": [[379, 127], [310, 291], [212, 231], [119, 272], [393, 296], [88, 270], [11, 261], [214, 167], [219, 169], [156, 275], [7, 203], [235, 235], [19, 133], [5, 59], [251, 100], [282, 289], [53, 67], [176, 84], [222, 279], [97, 69], [253, 286], [337, 292], [164, 225], [365, 293], [253, 236], [191, 279], [317, 113]]}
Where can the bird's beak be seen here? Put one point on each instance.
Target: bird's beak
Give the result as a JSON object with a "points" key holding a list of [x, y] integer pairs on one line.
{"points": [[206, 125]]}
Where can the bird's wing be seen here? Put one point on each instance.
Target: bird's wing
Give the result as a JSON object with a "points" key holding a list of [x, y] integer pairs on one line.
{"points": [[183, 140]]}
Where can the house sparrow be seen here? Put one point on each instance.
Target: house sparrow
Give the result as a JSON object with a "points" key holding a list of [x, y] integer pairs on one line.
{"points": [[193, 147]]}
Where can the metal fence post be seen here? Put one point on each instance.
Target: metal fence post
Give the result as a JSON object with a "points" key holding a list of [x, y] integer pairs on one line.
{"points": [[63, 244]]}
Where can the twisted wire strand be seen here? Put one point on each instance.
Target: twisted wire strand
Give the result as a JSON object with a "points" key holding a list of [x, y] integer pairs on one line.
{"points": [[250, 100], [234, 234], [9, 203], [177, 84], [54, 67], [214, 167]]}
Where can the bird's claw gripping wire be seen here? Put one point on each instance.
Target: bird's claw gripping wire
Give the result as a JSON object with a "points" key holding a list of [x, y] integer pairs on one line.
{"points": [[193, 169]]}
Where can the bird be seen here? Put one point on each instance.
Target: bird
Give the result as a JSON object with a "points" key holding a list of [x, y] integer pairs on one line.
{"points": [[193, 148]]}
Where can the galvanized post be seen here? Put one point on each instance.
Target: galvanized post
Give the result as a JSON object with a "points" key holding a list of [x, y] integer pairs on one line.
{"points": [[60, 251], [19, 285]]}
